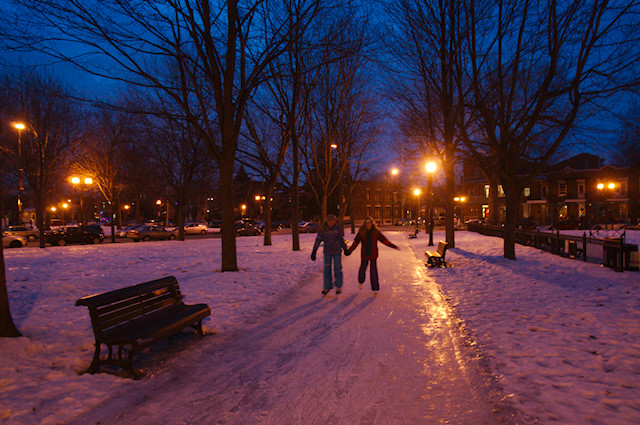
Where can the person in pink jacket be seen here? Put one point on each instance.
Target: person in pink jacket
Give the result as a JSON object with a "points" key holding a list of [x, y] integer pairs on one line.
{"points": [[369, 236]]}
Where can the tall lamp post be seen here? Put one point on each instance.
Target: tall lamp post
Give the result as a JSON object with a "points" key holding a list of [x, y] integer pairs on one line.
{"points": [[20, 127], [417, 193], [431, 168], [461, 200], [87, 182], [394, 172]]}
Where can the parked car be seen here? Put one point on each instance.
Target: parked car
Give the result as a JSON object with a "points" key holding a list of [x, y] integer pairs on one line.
{"points": [[274, 226], [31, 233], [214, 226], [248, 229], [122, 233], [146, 233], [195, 228], [309, 227], [567, 224], [58, 222], [526, 223], [75, 234], [12, 241]]}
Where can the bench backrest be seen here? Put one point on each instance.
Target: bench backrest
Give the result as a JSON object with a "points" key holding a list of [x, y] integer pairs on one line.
{"points": [[442, 247], [116, 307]]}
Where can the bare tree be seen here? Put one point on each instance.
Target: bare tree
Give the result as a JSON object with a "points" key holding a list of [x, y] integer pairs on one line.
{"points": [[178, 153], [425, 40], [51, 122], [220, 52], [531, 68], [105, 154]]}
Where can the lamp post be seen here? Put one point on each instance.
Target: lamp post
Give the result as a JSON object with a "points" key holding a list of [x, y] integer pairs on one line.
{"points": [[461, 200], [20, 127], [87, 182], [417, 193], [431, 168], [394, 172]]}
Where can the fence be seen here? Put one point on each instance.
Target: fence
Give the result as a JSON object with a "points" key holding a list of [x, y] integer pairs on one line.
{"points": [[610, 252]]}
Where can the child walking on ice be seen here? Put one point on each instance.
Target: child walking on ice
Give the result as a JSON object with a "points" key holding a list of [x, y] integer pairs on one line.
{"points": [[331, 235], [369, 235]]}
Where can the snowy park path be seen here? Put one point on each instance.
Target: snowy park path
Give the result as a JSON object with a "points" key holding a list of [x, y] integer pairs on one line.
{"points": [[398, 358]]}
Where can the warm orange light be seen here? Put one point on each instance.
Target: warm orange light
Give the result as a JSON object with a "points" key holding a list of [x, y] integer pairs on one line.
{"points": [[53, 209], [75, 180], [334, 146], [19, 126], [600, 186], [612, 186], [126, 207], [431, 167], [417, 192], [462, 199], [158, 202], [394, 171], [88, 180], [243, 206], [456, 199], [65, 206], [257, 197]]}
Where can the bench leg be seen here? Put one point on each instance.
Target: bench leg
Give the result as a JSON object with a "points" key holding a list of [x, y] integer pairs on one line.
{"points": [[95, 363], [198, 328]]}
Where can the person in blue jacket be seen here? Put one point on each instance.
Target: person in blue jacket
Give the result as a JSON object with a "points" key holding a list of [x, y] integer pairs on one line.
{"points": [[331, 235]]}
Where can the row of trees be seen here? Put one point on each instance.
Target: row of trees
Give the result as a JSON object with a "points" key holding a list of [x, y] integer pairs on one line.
{"points": [[507, 84], [286, 86]]}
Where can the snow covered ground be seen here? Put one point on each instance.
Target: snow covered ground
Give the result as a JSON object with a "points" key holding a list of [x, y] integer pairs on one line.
{"points": [[561, 336]]}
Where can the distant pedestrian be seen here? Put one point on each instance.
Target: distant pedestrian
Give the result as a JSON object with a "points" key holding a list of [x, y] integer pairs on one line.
{"points": [[331, 235], [369, 236]]}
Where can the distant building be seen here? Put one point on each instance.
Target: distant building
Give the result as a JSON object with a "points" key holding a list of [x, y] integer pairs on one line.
{"points": [[579, 188]]}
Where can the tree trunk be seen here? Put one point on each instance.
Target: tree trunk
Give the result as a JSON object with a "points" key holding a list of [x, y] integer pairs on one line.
{"points": [[512, 193], [295, 195], [228, 228], [494, 214], [7, 328], [40, 220], [450, 181], [112, 206], [267, 216]]}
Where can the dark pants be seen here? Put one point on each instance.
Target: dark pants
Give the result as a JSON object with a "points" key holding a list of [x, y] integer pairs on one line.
{"points": [[375, 286]]}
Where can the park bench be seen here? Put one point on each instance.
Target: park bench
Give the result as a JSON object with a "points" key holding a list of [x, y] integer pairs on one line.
{"points": [[413, 235], [436, 258], [129, 319]]}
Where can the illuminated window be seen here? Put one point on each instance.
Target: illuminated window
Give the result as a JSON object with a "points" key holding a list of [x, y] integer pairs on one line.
{"points": [[526, 192]]}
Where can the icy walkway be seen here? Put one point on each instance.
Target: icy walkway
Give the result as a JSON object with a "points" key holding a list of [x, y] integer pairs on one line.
{"points": [[398, 358]]}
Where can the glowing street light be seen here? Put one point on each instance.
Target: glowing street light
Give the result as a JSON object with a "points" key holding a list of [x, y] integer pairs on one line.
{"points": [[394, 172], [76, 182], [431, 168], [20, 126]]}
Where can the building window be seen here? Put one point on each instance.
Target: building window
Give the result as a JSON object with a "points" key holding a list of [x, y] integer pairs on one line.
{"points": [[377, 196], [581, 189], [377, 212], [562, 211], [562, 189], [368, 194], [486, 191], [387, 212], [544, 191], [368, 211], [500, 191], [526, 192]]}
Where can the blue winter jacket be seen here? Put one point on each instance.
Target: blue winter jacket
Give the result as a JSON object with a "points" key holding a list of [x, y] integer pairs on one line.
{"points": [[332, 238]]}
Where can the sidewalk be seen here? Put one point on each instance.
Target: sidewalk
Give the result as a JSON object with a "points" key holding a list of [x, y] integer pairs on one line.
{"points": [[398, 358]]}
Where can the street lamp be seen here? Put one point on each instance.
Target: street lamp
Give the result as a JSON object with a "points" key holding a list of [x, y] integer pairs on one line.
{"points": [[394, 172], [87, 182], [461, 200], [431, 168], [19, 126], [417, 193]]}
